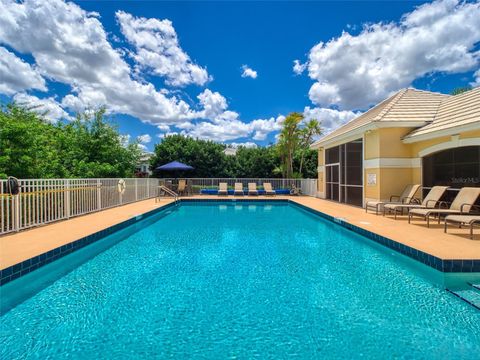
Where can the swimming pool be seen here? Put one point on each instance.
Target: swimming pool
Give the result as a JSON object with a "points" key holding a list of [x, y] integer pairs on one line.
{"points": [[224, 280]]}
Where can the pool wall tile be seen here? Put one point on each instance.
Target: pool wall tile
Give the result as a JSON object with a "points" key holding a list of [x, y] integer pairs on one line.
{"points": [[15, 271], [425, 258]]}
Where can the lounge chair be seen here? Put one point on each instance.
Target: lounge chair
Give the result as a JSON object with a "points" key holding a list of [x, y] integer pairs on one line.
{"points": [[469, 220], [407, 197], [268, 189], [222, 189], [430, 201], [252, 189], [238, 189], [462, 204], [182, 187]]}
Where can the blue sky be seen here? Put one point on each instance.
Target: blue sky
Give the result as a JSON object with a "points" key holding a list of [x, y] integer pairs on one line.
{"points": [[176, 67]]}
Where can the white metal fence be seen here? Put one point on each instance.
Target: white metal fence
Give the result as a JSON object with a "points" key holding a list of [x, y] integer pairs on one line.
{"points": [[41, 201], [308, 186]]}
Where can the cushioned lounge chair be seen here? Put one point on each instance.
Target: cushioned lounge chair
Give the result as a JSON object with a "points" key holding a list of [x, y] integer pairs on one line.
{"points": [[469, 220], [268, 189], [407, 197], [462, 204], [430, 201], [252, 189], [222, 189], [238, 189]]}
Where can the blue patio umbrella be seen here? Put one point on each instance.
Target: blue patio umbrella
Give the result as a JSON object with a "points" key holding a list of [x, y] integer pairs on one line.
{"points": [[175, 166]]}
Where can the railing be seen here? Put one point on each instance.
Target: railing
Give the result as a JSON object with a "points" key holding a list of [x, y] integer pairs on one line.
{"points": [[41, 201], [168, 191], [308, 186]]}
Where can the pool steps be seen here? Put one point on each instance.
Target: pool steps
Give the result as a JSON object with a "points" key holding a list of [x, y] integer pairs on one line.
{"points": [[470, 295]]}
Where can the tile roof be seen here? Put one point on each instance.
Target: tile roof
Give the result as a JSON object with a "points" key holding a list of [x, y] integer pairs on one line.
{"points": [[458, 110], [406, 105]]}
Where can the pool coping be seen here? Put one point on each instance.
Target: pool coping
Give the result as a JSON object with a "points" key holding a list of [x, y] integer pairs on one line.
{"points": [[444, 265]]}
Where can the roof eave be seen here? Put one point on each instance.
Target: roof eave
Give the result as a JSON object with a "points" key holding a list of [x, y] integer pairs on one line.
{"points": [[359, 131], [454, 130]]}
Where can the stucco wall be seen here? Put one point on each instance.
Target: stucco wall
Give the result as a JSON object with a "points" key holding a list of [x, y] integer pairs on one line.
{"points": [[321, 173], [393, 162]]}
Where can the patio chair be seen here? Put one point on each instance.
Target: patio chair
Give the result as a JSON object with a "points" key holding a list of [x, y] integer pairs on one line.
{"points": [[462, 204], [222, 189], [238, 190], [295, 190], [430, 202], [252, 189], [407, 197], [268, 189], [469, 220], [182, 187]]}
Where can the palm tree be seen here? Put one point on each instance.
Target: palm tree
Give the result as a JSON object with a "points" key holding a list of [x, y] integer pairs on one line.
{"points": [[307, 134], [289, 140]]}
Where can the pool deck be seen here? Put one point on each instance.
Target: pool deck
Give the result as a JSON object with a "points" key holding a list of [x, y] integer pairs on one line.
{"points": [[456, 245]]}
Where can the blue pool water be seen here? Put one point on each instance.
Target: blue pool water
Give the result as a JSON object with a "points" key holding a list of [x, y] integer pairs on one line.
{"points": [[226, 280]]}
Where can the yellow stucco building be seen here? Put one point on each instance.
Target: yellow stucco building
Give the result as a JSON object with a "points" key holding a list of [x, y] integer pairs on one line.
{"points": [[413, 137]]}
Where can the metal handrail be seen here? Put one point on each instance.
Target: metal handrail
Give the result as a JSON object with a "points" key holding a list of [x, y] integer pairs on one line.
{"points": [[169, 191]]}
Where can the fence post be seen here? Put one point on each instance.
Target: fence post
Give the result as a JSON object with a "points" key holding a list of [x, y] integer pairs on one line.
{"points": [[148, 188], [67, 198], [136, 189], [99, 195], [120, 196], [16, 204]]}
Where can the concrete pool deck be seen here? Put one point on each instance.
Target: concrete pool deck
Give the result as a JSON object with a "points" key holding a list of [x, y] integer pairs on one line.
{"points": [[456, 245]]}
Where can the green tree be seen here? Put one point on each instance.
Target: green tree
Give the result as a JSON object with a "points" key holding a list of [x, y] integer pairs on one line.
{"points": [[460, 90], [289, 140], [28, 147], [93, 147], [307, 134], [256, 162], [89, 146], [207, 157]]}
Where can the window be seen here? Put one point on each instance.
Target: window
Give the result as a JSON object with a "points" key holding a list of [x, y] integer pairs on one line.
{"points": [[456, 168], [344, 173]]}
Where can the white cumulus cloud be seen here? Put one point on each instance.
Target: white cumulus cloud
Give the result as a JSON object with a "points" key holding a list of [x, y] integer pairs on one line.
{"points": [[247, 144], [355, 72], [49, 108], [329, 119], [72, 48], [157, 49], [228, 127], [249, 72], [298, 67], [144, 139], [17, 75], [213, 104]]}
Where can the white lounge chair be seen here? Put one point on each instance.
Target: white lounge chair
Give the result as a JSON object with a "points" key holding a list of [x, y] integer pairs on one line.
{"points": [[407, 197], [238, 189], [430, 202], [268, 189], [222, 189], [252, 189], [462, 204]]}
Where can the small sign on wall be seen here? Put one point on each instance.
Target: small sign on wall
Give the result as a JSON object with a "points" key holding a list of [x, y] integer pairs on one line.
{"points": [[371, 179]]}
